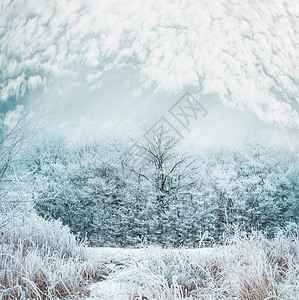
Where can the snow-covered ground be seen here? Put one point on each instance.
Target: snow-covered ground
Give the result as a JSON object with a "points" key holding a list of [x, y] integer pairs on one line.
{"points": [[245, 268], [122, 264]]}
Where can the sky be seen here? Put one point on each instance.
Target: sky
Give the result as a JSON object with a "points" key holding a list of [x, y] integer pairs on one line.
{"points": [[117, 65]]}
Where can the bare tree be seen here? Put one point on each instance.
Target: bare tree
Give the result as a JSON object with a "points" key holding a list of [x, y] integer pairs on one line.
{"points": [[167, 170], [11, 142]]}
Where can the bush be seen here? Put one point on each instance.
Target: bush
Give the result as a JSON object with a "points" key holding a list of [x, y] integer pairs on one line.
{"points": [[41, 260]]}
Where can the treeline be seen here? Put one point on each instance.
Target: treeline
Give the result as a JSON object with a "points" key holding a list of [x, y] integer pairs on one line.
{"points": [[167, 197]]}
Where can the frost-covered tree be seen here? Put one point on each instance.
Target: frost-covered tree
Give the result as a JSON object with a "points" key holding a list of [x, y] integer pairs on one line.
{"points": [[167, 177], [13, 189], [169, 198]]}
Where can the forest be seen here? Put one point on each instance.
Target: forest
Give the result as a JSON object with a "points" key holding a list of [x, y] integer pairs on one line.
{"points": [[168, 197]]}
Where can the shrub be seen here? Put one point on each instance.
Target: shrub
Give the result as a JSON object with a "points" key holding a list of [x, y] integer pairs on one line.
{"points": [[42, 260]]}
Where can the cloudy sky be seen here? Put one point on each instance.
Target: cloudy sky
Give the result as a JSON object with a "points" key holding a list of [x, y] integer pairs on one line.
{"points": [[115, 62]]}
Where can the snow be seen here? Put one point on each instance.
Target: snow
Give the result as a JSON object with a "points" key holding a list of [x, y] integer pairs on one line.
{"points": [[122, 263]]}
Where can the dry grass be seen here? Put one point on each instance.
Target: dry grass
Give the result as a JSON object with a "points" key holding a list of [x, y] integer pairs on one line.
{"points": [[31, 269], [252, 268]]}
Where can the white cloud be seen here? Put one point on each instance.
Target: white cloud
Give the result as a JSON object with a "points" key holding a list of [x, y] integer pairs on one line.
{"points": [[12, 117], [247, 51], [34, 82]]}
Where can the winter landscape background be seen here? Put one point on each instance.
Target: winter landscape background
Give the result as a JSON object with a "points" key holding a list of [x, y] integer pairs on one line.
{"points": [[149, 150]]}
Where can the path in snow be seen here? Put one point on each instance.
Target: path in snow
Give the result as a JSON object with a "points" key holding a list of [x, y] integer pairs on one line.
{"points": [[121, 263]]}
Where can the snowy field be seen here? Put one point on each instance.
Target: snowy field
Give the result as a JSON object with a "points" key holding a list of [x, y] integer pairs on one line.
{"points": [[44, 261], [123, 264], [253, 268]]}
